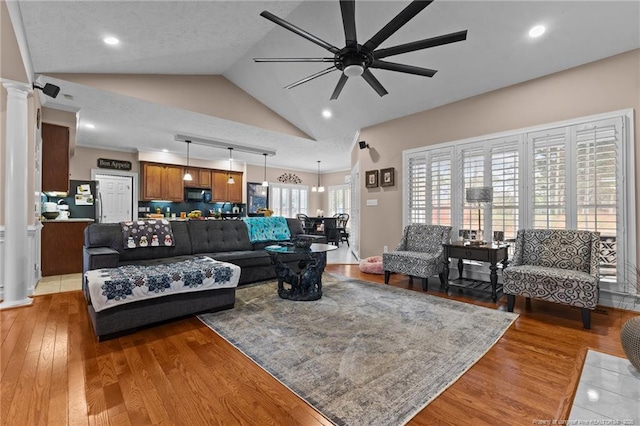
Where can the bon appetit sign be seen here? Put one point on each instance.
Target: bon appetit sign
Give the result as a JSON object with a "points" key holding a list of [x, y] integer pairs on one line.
{"points": [[106, 163]]}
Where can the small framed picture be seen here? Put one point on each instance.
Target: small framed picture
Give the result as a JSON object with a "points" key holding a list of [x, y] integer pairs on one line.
{"points": [[371, 177], [387, 177]]}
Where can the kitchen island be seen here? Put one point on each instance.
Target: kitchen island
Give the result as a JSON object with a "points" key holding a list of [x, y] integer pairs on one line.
{"points": [[61, 246]]}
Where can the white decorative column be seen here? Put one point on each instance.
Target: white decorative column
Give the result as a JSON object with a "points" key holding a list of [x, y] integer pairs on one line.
{"points": [[16, 202]]}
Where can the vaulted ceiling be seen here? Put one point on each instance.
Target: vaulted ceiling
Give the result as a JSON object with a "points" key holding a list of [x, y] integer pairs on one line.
{"points": [[223, 37]]}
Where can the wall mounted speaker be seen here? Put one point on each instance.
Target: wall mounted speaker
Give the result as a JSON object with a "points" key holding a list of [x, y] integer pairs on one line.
{"points": [[49, 89]]}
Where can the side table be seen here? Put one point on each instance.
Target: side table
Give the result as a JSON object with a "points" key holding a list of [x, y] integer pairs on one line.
{"points": [[492, 253]]}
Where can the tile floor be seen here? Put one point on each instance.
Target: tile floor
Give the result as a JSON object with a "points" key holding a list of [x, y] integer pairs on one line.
{"points": [[608, 392], [342, 255], [58, 284]]}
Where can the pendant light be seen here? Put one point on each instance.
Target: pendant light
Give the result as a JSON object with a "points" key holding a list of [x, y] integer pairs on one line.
{"points": [[318, 188], [187, 175], [264, 182], [230, 181]]}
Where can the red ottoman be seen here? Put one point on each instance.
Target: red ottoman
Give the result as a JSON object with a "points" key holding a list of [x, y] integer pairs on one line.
{"points": [[372, 265]]}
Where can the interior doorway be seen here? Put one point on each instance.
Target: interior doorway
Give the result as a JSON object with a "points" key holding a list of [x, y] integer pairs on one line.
{"points": [[116, 195]]}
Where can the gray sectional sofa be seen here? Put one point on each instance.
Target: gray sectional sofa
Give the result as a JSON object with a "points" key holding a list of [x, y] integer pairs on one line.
{"points": [[223, 240]]}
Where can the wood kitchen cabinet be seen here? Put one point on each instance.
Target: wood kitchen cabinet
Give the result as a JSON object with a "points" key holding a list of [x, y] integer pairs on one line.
{"points": [[222, 191], [201, 178], [55, 158], [162, 182], [61, 247]]}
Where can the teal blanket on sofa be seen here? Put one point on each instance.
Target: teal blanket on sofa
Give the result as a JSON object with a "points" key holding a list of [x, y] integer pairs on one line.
{"points": [[272, 228]]}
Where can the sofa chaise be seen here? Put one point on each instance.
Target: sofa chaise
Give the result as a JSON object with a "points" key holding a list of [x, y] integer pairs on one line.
{"points": [[223, 240]]}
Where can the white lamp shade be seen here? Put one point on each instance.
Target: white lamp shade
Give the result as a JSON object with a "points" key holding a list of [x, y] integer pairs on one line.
{"points": [[187, 177]]}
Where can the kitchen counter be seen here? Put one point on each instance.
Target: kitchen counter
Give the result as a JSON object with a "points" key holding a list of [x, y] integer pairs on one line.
{"points": [[71, 219]]}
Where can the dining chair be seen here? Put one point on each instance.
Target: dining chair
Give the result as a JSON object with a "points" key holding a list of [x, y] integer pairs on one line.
{"points": [[343, 219], [331, 231], [307, 224]]}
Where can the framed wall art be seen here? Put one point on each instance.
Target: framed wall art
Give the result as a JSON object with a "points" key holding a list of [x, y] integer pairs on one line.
{"points": [[371, 178], [387, 177]]}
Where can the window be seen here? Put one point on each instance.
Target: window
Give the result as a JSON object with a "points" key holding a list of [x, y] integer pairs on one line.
{"points": [[431, 174], [505, 180], [549, 179], [561, 176], [339, 199], [288, 200]]}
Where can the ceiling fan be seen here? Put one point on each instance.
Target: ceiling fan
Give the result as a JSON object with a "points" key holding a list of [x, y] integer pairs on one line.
{"points": [[356, 59]]}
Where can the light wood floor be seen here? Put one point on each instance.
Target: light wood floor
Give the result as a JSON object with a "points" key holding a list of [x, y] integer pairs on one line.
{"points": [[55, 372]]}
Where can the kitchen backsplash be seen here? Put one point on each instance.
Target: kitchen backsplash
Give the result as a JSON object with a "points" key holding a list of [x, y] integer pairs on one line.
{"points": [[145, 207]]}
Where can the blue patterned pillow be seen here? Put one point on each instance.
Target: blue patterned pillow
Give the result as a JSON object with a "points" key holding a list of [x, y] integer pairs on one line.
{"points": [[272, 228]]}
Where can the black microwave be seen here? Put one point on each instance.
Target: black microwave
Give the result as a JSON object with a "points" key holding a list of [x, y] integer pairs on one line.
{"points": [[197, 194]]}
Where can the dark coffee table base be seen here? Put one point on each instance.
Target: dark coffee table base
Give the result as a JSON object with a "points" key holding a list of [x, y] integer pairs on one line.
{"points": [[303, 283]]}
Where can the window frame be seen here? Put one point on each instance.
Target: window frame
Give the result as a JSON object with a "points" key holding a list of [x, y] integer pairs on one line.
{"points": [[625, 176], [289, 187]]}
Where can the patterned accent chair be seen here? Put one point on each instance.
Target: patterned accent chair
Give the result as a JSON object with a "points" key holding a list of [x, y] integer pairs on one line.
{"points": [[560, 266], [419, 253]]}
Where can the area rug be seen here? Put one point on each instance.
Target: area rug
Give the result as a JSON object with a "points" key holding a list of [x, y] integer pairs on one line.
{"points": [[364, 354]]}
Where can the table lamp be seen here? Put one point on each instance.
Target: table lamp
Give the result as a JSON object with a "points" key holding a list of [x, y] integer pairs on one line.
{"points": [[479, 196]]}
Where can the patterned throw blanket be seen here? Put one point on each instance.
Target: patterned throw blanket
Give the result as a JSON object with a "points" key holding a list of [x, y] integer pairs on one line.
{"points": [[272, 228], [111, 287], [147, 233]]}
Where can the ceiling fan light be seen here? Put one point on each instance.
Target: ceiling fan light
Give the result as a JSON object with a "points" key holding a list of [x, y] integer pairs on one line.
{"points": [[353, 70]]}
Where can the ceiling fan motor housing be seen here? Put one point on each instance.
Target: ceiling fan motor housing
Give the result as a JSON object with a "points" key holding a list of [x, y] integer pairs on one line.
{"points": [[352, 62]]}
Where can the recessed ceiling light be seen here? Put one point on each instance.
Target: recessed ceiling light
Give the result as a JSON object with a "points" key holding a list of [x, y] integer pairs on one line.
{"points": [[326, 113], [90, 126], [537, 31], [112, 41]]}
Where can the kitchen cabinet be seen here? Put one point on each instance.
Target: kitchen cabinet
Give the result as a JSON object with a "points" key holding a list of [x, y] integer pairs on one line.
{"points": [[61, 247], [222, 191], [55, 158], [162, 182], [201, 178]]}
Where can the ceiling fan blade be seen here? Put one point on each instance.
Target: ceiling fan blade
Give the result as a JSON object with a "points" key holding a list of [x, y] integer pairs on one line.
{"points": [[339, 86], [373, 82], [396, 23], [421, 44], [311, 77], [408, 69], [302, 33], [348, 8], [293, 59]]}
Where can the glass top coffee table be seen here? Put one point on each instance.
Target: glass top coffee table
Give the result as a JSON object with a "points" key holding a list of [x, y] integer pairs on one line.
{"points": [[303, 282]]}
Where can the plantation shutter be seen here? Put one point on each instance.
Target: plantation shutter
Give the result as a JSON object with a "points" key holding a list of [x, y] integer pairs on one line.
{"points": [[505, 169], [596, 166], [549, 178], [440, 187], [417, 189], [288, 200], [339, 199]]}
